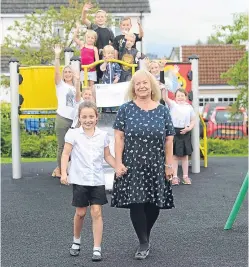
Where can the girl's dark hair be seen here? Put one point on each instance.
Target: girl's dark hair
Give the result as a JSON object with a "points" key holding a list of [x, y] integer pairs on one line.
{"points": [[87, 104], [181, 91]]}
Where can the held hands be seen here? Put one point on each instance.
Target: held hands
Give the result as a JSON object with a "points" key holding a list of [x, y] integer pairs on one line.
{"points": [[64, 179], [57, 50], [120, 170]]}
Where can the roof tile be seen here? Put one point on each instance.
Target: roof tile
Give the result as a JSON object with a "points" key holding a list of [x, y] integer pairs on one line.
{"points": [[213, 61], [111, 6]]}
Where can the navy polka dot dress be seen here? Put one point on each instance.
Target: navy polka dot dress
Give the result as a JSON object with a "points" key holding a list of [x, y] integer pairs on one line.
{"points": [[144, 156]]}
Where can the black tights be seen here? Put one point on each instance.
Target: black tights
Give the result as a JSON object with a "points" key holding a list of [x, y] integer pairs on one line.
{"points": [[143, 217]]}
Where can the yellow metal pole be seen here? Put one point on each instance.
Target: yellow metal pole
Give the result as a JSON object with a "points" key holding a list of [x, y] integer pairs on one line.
{"points": [[85, 77], [133, 70], [204, 142]]}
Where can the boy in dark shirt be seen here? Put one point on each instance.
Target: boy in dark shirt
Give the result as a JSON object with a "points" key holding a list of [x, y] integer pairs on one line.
{"points": [[128, 54], [105, 35], [125, 26]]}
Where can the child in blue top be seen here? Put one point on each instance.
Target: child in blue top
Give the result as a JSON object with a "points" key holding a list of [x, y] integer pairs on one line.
{"points": [[111, 71]]}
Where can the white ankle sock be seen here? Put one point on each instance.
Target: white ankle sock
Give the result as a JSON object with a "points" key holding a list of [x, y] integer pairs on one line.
{"points": [[77, 241]]}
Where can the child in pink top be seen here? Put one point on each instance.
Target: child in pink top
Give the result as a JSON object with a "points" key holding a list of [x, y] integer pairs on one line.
{"points": [[88, 52]]}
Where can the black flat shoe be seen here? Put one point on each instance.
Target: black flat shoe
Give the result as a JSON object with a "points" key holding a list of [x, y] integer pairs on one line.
{"points": [[75, 251], [97, 257]]}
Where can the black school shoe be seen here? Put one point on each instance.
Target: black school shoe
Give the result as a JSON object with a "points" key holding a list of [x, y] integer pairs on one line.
{"points": [[97, 257], [75, 252]]}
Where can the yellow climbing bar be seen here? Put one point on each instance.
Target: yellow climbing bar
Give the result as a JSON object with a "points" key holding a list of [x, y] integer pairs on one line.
{"points": [[204, 147], [86, 67]]}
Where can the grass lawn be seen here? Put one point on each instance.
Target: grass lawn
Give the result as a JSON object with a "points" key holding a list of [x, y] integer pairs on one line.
{"points": [[9, 160], [224, 156]]}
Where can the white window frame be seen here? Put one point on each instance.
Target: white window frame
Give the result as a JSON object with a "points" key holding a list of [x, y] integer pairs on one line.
{"points": [[58, 30], [116, 29]]}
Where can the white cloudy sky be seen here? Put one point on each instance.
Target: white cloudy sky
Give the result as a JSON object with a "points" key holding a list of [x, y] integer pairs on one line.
{"points": [[182, 22]]}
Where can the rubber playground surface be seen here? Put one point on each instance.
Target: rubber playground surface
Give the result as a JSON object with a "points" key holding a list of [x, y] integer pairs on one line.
{"points": [[37, 222]]}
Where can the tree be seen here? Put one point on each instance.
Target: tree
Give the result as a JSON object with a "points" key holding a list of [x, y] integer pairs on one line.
{"points": [[237, 34], [199, 42], [212, 40], [32, 41]]}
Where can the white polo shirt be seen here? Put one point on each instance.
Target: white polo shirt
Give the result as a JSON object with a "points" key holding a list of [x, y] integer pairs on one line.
{"points": [[87, 156], [181, 114]]}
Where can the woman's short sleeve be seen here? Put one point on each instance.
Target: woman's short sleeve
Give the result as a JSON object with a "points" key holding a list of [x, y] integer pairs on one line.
{"points": [[119, 123], [169, 127], [70, 136]]}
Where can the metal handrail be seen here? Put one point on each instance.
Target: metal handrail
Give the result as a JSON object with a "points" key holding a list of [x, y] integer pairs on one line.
{"points": [[94, 64], [204, 141]]}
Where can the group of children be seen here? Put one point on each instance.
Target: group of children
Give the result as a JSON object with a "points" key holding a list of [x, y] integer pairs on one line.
{"points": [[100, 43]]}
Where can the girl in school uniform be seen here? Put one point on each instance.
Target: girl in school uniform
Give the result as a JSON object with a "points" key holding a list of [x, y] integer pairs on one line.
{"points": [[88, 52], [183, 118], [88, 146]]}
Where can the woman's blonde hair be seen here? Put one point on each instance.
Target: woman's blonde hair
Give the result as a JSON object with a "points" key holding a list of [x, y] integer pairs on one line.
{"points": [[155, 90]]}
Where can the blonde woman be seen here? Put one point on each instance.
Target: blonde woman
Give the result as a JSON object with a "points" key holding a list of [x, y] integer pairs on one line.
{"points": [[65, 92], [143, 157]]}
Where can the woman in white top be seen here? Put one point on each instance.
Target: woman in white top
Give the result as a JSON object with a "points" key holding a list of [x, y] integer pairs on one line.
{"points": [[65, 92], [88, 146], [183, 118]]}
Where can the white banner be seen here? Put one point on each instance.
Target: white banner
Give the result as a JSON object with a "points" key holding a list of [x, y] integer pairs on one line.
{"points": [[111, 95]]}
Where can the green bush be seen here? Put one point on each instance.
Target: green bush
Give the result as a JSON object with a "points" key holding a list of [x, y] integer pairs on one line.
{"points": [[41, 145], [38, 146], [227, 147]]}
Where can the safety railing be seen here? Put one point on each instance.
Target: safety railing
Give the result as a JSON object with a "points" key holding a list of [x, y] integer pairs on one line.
{"points": [[203, 147], [86, 67]]}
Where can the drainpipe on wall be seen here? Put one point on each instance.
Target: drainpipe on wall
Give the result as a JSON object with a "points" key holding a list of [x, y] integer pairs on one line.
{"points": [[141, 22]]}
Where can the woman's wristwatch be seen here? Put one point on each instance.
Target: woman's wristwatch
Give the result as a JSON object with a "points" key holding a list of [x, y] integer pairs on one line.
{"points": [[170, 166]]}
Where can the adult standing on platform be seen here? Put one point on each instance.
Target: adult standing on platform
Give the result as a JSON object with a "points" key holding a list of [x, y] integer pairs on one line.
{"points": [[65, 92], [144, 145]]}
